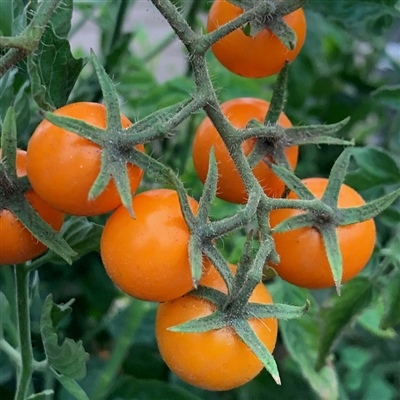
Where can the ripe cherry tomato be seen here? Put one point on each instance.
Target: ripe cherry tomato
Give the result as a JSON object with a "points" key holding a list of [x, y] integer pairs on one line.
{"points": [[147, 257], [253, 57], [63, 166], [216, 359], [230, 185], [17, 244], [303, 260]]}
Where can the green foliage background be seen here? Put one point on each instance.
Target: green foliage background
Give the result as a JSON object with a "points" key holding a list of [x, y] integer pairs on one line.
{"points": [[345, 69]]}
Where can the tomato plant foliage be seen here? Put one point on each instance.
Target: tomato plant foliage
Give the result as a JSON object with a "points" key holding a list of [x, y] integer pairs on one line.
{"points": [[345, 347]]}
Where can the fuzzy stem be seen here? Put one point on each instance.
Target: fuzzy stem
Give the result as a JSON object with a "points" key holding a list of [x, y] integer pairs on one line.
{"points": [[24, 332]]}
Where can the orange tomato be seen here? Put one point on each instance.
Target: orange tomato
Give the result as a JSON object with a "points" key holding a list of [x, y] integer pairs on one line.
{"points": [[253, 57], [230, 186], [17, 244], [147, 257], [303, 260], [216, 359], [63, 166]]}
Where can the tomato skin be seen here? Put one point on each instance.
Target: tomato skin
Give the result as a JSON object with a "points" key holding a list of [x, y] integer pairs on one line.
{"points": [[230, 186], [17, 244], [253, 57], [217, 359], [63, 166], [147, 257], [303, 261]]}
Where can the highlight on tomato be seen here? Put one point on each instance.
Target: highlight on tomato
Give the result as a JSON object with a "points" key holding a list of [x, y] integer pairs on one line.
{"points": [[217, 359], [17, 244], [253, 57], [303, 259], [148, 257], [230, 186], [62, 166]]}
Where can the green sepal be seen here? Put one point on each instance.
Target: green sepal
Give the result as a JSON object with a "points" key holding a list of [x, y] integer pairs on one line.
{"points": [[333, 253], [288, 6], [296, 222], [348, 216], [280, 311], [195, 259], [292, 182], [209, 190], [336, 179], [244, 331], [216, 320], [109, 94], [220, 265], [210, 294], [40, 229], [284, 32], [9, 143], [78, 126], [69, 358]]}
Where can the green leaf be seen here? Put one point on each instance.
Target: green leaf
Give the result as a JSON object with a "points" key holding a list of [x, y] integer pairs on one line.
{"points": [[71, 386], [81, 234], [129, 388], [61, 19], [376, 167], [54, 68], [388, 95], [391, 301], [371, 318], [338, 312], [69, 358], [301, 337], [45, 395]]}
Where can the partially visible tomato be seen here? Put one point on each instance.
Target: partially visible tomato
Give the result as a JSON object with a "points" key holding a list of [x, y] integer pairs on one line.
{"points": [[253, 57], [148, 257], [216, 359], [17, 244], [303, 260], [230, 185], [63, 166]]}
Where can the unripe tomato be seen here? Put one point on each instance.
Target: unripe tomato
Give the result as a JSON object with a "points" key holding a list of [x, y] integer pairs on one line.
{"points": [[216, 359], [63, 166], [17, 244], [230, 186], [303, 260], [148, 257], [253, 57]]}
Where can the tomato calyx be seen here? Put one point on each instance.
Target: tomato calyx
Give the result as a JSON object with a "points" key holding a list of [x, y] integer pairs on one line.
{"points": [[234, 310], [324, 215], [118, 144], [14, 188], [273, 139]]}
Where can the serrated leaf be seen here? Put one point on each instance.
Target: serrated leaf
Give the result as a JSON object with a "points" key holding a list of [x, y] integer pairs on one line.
{"points": [[69, 358], [391, 299], [82, 235], [338, 312], [61, 19], [301, 337], [45, 395], [57, 70], [71, 386]]}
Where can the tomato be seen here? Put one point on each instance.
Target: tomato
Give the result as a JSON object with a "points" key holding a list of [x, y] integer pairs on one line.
{"points": [[303, 260], [253, 57], [17, 244], [230, 186], [63, 166], [216, 359], [147, 257]]}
